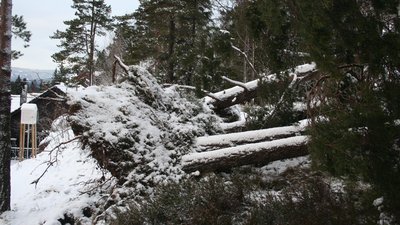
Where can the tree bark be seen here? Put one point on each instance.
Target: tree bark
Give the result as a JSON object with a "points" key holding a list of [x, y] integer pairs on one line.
{"points": [[5, 103], [258, 154]]}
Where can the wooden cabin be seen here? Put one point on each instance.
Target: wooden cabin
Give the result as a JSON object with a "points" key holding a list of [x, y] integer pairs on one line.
{"points": [[51, 104]]}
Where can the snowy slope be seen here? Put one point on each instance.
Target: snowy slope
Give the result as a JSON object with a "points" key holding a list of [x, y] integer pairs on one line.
{"points": [[63, 189]]}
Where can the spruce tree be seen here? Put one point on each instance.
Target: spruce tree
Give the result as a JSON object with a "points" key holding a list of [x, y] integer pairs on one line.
{"points": [[16, 86], [78, 41]]}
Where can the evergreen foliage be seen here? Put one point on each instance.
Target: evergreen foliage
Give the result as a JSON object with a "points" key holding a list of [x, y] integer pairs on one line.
{"points": [[356, 45], [60, 75], [16, 86], [19, 29], [354, 101]]}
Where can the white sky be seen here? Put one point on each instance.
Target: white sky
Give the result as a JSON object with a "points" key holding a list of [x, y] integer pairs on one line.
{"points": [[43, 18]]}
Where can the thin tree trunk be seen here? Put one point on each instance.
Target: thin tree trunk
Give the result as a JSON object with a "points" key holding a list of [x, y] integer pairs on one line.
{"points": [[92, 43], [189, 74], [5, 103], [171, 64]]}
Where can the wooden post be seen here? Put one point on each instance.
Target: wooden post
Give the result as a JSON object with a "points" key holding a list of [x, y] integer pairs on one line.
{"points": [[34, 141], [21, 141]]}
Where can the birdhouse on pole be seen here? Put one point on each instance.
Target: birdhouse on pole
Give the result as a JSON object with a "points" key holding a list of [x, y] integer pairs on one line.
{"points": [[28, 131]]}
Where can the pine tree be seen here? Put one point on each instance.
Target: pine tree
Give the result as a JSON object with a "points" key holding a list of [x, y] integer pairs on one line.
{"points": [[60, 75], [78, 41]]}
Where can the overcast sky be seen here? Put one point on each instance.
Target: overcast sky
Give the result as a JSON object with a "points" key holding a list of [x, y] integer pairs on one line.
{"points": [[44, 17]]}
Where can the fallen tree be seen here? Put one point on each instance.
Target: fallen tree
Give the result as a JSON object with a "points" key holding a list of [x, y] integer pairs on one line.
{"points": [[234, 139], [246, 91], [257, 154]]}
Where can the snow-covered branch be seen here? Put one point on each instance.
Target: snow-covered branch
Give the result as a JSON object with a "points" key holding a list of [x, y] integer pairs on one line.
{"points": [[235, 82], [121, 64]]}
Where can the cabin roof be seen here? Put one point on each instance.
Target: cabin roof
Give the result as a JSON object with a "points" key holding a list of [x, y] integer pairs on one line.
{"points": [[34, 97]]}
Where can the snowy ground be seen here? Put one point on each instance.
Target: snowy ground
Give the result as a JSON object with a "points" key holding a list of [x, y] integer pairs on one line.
{"points": [[64, 188]]}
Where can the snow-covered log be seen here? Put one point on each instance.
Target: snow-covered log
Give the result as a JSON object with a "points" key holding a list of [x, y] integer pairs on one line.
{"points": [[233, 139], [250, 154], [248, 91]]}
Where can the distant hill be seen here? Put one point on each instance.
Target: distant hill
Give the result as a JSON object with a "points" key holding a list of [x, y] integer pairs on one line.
{"points": [[31, 74]]}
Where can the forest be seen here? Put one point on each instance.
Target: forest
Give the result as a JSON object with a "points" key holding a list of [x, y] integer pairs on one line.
{"points": [[235, 112]]}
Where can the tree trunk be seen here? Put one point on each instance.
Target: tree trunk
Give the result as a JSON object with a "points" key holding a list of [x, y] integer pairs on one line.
{"points": [[92, 44], [5, 103], [233, 96], [258, 154], [171, 47]]}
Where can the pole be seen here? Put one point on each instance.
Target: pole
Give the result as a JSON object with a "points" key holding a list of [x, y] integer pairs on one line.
{"points": [[21, 142], [27, 142]]}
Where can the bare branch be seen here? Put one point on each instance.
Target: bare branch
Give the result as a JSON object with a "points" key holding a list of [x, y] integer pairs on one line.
{"points": [[246, 58], [50, 163]]}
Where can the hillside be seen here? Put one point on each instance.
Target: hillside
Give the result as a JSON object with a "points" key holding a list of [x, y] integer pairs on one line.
{"points": [[31, 74]]}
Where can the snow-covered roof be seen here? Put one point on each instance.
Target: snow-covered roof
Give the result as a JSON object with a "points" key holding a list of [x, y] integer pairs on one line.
{"points": [[15, 100]]}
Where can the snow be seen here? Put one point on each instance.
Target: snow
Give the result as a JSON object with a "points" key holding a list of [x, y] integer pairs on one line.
{"points": [[305, 68], [29, 113], [62, 190], [274, 169], [241, 122]]}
